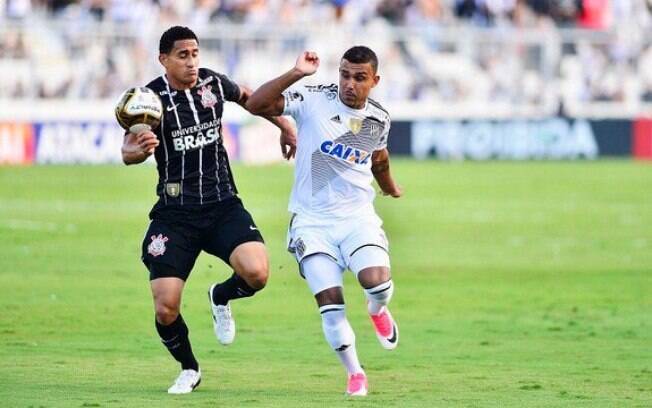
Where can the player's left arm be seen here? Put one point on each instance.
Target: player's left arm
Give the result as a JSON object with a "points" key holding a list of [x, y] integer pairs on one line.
{"points": [[288, 137], [380, 170]]}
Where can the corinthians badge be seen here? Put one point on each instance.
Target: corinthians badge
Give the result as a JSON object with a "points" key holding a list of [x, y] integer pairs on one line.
{"points": [[208, 98], [157, 246]]}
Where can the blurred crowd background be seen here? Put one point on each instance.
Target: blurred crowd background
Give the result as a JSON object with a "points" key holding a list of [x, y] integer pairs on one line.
{"points": [[535, 57]]}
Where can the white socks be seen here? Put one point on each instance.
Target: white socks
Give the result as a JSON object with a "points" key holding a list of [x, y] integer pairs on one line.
{"points": [[379, 296], [340, 336]]}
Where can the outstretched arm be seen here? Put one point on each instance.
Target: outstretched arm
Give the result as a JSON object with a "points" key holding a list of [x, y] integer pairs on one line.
{"points": [[288, 139], [137, 148], [268, 99], [380, 170]]}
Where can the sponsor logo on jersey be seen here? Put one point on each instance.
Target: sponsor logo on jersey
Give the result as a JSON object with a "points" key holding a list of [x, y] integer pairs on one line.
{"points": [[344, 152], [336, 119], [205, 81], [355, 125], [208, 98], [322, 88], [157, 246], [294, 96], [196, 136]]}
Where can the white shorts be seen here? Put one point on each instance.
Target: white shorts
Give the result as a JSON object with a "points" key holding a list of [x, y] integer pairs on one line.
{"points": [[353, 245]]}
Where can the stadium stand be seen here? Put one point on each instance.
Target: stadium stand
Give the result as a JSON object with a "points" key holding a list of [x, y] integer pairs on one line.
{"points": [[438, 57]]}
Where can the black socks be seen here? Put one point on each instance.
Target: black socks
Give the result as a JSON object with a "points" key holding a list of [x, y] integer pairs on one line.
{"points": [[175, 338], [233, 288]]}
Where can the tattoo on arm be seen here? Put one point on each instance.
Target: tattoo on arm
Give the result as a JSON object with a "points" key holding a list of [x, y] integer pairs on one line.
{"points": [[380, 167]]}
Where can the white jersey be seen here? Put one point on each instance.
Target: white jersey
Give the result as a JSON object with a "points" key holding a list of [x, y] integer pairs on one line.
{"points": [[332, 179]]}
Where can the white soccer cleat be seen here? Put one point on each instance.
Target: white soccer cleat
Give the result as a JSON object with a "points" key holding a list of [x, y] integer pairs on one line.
{"points": [[223, 323], [386, 329], [187, 381], [357, 385]]}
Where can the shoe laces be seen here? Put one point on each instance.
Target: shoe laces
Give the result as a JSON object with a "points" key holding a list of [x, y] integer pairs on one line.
{"points": [[224, 313]]}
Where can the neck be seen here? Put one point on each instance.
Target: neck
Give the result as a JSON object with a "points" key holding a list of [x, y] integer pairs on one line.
{"points": [[356, 105], [180, 85]]}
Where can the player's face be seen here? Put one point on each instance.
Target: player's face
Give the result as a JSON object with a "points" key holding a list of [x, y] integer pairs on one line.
{"points": [[356, 81], [182, 64]]}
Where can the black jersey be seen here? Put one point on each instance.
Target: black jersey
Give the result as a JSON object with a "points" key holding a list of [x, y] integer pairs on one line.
{"points": [[192, 163]]}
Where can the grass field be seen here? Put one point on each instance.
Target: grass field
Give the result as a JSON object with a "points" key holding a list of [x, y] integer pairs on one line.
{"points": [[518, 284]]}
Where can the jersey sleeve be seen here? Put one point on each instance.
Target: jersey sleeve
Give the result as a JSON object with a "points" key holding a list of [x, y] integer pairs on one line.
{"points": [[297, 101], [382, 140], [230, 89]]}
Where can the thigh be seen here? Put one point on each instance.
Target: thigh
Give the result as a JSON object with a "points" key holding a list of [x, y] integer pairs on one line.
{"points": [[233, 226], [250, 256], [305, 241], [169, 250], [167, 291], [365, 245], [321, 273]]}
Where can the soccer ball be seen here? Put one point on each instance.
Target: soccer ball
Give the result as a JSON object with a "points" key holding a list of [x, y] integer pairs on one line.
{"points": [[138, 110]]}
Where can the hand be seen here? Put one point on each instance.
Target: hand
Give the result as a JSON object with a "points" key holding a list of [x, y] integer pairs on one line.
{"points": [[147, 141], [288, 142], [396, 192], [307, 63]]}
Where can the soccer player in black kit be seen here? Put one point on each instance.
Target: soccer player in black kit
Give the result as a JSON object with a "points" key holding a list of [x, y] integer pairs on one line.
{"points": [[198, 207]]}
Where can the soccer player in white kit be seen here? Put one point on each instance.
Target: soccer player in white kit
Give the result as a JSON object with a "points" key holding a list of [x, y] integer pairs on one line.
{"points": [[341, 147]]}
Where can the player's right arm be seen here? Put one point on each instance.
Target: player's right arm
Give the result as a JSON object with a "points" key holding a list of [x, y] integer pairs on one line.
{"points": [[137, 148], [268, 99]]}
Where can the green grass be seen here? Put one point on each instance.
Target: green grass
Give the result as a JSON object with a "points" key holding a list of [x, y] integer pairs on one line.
{"points": [[518, 284]]}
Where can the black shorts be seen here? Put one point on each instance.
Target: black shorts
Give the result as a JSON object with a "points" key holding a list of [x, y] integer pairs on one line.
{"points": [[175, 236]]}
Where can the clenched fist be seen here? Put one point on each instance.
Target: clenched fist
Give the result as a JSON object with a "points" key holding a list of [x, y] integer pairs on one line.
{"points": [[307, 63]]}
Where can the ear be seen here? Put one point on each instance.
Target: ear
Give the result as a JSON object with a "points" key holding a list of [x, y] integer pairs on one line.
{"points": [[162, 58], [376, 80]]}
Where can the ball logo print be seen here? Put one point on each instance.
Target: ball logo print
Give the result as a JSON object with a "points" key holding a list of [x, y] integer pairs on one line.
{"points": [[138, 110], [157, 246]]}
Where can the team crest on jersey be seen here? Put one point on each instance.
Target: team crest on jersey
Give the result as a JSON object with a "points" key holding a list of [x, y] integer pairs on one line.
{"points": [[355, 125], [208, 98], [299, 247], [157, 246]]}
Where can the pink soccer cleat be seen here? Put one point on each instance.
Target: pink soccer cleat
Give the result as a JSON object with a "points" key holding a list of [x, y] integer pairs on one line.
{"points": [[357, 385], [386, 329]]}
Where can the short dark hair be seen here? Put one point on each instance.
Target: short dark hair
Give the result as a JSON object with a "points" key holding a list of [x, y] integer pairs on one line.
{"points": [[174, 34], [361, 55]]}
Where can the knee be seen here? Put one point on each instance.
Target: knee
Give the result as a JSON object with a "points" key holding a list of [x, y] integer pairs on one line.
{"points": [[256, 275], [373, 276], [166, 314]]}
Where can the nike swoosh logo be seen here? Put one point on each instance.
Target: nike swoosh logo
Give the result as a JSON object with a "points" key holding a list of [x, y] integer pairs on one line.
{"points": [[393, 338], [251, 227], [173, 107]]}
